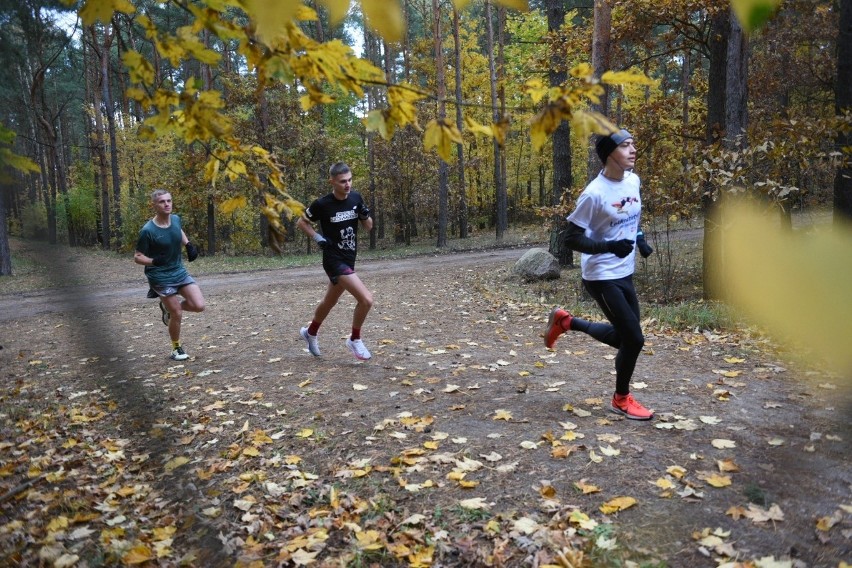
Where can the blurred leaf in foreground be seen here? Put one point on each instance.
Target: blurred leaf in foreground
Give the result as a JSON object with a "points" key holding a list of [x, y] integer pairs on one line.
{"points": [[796, 285]]}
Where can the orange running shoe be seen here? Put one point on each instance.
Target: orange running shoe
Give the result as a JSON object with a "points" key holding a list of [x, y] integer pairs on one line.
{"points": [[627, 405], [556, 326]]}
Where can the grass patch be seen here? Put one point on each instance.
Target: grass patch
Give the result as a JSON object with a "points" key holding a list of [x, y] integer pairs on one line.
{"points": [[696, 315]]}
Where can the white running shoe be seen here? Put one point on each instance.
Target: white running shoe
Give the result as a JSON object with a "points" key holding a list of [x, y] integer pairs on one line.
{"points": [[313, 342], [179, 354], [358, 349]]}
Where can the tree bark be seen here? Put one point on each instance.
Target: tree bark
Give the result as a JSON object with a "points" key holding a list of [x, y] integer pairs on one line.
{"points": [[601, 41], [100, 148], [843, 103], [462, 189], [561, 159], [5, 251], [727, 119], [500, 196], [113, 149], [716, 98], [443, 168]]}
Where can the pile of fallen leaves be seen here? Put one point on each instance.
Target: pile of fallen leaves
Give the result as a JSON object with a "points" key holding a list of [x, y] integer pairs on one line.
{"points": [[466, 445]]}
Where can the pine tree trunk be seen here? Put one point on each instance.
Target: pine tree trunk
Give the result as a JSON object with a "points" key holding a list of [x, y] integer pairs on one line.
{"points": [[500, 195], [113, 149], [462, 189], [443, 168], [561, 159], [5, 251], [600, 63]]}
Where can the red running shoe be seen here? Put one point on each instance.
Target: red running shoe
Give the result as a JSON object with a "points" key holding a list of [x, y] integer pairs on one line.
{"points": [[627, 405], [556, 326]]}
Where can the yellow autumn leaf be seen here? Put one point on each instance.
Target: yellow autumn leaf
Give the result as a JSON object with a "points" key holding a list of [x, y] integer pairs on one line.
{"points": [[251, 452], [818, 261], [718, 480], [727, 465], [825, 523], [754, 13], [587, 123], [422, 557], [369, 540], [502, 414], [617, 504], [175, 463], [101, 10], [271, 17], [234, 169], [664, 483], [230, 205], [536, 89], [163, 533], [465, 484], [57, 524], [441, 134], [476, 127], [139, 554], [520, 5], [723, 444], [586, 488], [305, 433], [627, 77], [677, 471], [386, 17], [544, 123], [138, 67], [337, 9]]}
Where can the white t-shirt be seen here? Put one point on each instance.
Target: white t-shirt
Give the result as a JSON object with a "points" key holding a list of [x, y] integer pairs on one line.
{"points": [[609, 211]]}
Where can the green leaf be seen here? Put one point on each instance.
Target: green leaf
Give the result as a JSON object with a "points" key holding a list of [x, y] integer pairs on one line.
{"points": [[752, 14]]}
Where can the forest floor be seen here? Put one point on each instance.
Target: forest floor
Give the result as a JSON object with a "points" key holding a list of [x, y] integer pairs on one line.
{"points": [[463, 442]]}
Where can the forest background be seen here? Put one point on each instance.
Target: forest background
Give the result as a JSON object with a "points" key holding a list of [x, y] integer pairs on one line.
{"points": [[461, 118]]}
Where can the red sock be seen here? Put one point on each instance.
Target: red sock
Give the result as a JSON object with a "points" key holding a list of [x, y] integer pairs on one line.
{"points": [[356, 333], [313, 328]]}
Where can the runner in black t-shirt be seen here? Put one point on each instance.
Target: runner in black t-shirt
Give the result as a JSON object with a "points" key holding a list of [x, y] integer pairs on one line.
{"points": [[339, 213]]}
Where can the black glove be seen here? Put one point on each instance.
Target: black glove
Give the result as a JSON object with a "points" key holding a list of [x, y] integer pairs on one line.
{"points": [[159, 260], [363, 212], [644, 248], [620, 248], [191, 251], [320, 240]]}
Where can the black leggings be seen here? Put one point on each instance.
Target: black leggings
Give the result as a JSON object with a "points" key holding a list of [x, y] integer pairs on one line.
{"points": [[617, 299]]}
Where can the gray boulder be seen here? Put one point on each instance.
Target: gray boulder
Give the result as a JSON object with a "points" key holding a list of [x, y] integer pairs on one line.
{"points": [[537, 264]]}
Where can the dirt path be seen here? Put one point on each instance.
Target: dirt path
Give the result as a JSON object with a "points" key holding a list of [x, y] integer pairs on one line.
{"points": [[459, 375], [58, 300]]}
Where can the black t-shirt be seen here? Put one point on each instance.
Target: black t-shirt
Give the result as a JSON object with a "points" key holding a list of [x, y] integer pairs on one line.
{"points": [[338, 220]]}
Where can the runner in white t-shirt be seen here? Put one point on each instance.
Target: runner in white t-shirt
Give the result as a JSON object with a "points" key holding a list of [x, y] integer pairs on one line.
{"points": [[604, 227]]}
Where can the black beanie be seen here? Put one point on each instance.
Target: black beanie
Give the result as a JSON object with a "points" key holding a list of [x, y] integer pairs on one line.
{"points": [[606, 144]]}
